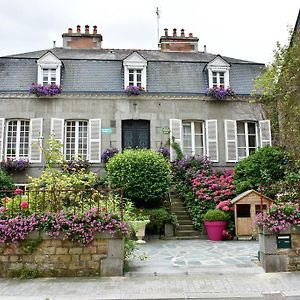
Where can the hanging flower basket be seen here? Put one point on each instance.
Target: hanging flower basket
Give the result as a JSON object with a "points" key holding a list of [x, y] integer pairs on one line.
{"points": [[48, 90], [134, 90], [220, 93]]}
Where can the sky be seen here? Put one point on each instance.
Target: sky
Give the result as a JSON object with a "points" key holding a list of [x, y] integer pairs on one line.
{"points": [[243, 29]]}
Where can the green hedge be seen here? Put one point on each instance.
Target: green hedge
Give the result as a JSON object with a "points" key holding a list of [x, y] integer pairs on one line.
{"points": [[144, 174]]}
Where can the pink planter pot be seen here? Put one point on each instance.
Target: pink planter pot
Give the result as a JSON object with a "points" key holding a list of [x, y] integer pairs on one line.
{"points": [[215, 229]]}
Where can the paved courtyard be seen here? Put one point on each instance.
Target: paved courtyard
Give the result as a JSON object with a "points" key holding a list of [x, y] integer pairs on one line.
{"points": [[195, 257]]}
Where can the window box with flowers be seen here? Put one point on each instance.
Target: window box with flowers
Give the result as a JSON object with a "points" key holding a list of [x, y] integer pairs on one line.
{"points": [[15, 164], [134, 90], [47, 90], [220, 93]]}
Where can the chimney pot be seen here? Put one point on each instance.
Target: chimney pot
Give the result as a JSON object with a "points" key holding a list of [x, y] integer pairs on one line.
{"points": [[174, 32], [182, 32], [166, 31], [190, 34], [70, 30], [205, 48], [87, 29], [78, 29], [95, 29]]}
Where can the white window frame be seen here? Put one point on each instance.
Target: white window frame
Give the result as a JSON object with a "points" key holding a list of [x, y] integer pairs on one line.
{"points": [[246, 135], [76, 154], [6, 156], [135, 62], [218, 65], [193, 135], [49, 62]]}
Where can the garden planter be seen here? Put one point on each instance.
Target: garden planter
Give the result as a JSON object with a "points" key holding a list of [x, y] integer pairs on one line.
{"points": [[215, 229], [139, 228]]}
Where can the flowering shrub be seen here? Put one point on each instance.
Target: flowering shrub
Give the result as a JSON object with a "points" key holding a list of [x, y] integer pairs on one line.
{"points": [[217, 186], [164, 151], [75, 165], [279, 217], [15, 164], [220, 93], [134, 90], [79, 228], [108, 153], [48, 90]]}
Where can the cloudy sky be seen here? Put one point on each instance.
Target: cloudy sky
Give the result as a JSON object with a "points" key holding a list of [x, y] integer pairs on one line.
{"points": [[236, 28]]}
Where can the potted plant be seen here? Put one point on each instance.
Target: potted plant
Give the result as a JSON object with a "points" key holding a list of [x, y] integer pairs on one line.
{"points": [[215, 221], [139, 226]]}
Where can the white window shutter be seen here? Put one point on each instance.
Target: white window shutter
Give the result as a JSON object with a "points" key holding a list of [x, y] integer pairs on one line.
{"points": [[265, 133], [230, 140], [95, 140], [1, 137], [35, 144], [176, 132], [57, 129], [212, 140]]}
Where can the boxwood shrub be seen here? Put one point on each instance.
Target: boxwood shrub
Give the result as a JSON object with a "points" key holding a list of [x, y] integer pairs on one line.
{"points": [[144, 174]]}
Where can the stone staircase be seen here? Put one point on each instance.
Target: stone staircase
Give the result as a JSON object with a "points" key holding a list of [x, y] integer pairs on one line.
{"points": [[186, 230]]}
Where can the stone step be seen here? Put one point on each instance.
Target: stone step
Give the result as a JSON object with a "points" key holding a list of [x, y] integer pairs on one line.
{"points": [[181, 213], [187, 233], [185, 227], [185, 222]]}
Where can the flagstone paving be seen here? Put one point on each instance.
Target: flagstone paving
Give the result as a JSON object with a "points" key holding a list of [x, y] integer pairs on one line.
{"points": [[195, 256]]}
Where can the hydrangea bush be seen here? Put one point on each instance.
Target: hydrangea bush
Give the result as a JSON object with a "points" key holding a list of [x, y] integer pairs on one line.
{"points": [[279, 217], [108, 153], [48, 90]]}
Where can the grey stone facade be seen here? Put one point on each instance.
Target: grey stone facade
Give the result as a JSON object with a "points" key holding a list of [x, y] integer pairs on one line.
{"points": [[93, 88]]}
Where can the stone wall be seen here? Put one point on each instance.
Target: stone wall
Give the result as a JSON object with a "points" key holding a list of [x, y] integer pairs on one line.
{"points": [[54, 257], [274, 259]]}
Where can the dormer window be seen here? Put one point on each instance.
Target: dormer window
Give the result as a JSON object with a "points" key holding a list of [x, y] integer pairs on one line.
{"points": [[49, 69], [218, 72], [135, 70]]}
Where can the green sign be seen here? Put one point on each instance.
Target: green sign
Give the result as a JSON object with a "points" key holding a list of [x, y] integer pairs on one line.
{"points": [[284, 241], [106, 130]]}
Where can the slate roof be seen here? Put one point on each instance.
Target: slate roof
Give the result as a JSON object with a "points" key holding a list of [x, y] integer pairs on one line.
{"points": [[100, 70]]}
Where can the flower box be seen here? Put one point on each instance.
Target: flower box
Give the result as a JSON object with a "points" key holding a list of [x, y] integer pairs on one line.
{"points": [[48, 90], [220, 93], [134, 90]]}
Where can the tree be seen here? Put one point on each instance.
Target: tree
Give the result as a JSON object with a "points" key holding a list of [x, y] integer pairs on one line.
{"points": [[279, 92]]}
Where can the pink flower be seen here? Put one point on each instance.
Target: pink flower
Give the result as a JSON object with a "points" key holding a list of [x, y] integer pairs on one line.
{"points": [[18, 191], [24, 204]]}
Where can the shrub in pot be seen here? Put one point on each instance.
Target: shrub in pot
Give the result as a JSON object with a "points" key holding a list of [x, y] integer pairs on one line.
{"points": [[215, 221]]}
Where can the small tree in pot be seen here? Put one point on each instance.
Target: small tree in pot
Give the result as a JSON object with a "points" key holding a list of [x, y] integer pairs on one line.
{"points": [[215, 221]]}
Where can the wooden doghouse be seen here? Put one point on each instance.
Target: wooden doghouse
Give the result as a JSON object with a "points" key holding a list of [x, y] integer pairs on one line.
{"points": [[246, 206]]}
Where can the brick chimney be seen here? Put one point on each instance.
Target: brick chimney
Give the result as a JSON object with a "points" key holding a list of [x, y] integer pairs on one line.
{"points": [[82, 40], [177, 43]]}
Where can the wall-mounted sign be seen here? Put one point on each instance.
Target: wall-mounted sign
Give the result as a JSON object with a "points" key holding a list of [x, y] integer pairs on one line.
{"points": [[106, 130]]}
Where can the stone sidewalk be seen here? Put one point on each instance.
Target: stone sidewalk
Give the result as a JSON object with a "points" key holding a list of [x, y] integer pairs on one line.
{"points": [[194, 269]]}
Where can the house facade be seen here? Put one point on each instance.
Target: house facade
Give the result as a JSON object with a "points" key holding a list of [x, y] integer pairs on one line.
{"points": [[93, 113]]}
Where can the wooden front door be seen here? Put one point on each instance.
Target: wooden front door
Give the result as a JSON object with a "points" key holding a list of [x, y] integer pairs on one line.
{"points": [[135, 134]]}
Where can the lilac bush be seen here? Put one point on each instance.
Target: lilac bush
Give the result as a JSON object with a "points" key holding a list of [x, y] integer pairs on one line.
{"points": [[75, 227], [108, 153], [48, 90], [220, 93], [15, 164], [279, 217], [134, 90]]}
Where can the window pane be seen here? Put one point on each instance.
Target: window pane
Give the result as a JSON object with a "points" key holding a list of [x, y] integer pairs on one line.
{"points": [[241, 153], [241, 140], [252, 141], [240, 127], [198, 127], [251, 128], [198, 141]]}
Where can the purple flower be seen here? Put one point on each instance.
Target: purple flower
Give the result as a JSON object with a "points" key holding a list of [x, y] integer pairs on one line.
{"points": [[134, 90], [220, 93], [108, 153], [48, 90]]}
